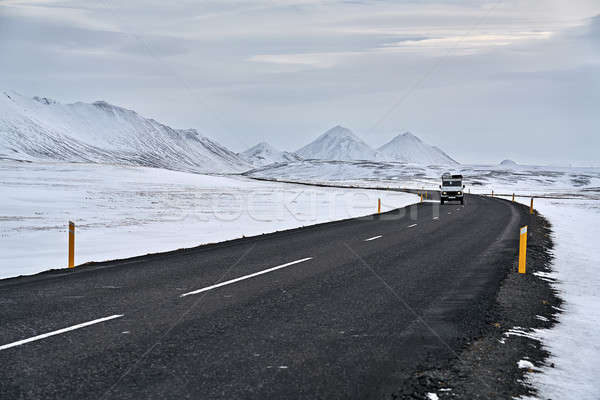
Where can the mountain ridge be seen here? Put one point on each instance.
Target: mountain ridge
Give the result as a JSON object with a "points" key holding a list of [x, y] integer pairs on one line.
{"points": [[40, 128]]}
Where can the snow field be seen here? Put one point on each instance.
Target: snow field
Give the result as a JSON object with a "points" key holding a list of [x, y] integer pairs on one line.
{"points": [[479, 179], [127, 211]]}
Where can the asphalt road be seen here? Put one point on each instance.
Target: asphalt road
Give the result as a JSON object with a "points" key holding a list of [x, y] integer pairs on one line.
{"points": [[349, 319]]}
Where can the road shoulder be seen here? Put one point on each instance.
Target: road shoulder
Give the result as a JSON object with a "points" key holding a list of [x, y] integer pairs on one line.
{"points": [[495, 364]]}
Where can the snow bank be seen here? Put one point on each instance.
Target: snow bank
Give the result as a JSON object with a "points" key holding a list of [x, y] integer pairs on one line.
{"points": [[127, 211], [573, 343]]}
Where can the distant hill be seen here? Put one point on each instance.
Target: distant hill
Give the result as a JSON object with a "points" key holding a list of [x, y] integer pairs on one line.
{"points": [[264, 154], [341, 144], [43, 129], [338, 143], [408, 148]]}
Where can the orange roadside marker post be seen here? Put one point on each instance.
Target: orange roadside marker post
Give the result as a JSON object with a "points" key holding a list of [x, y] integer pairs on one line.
{"points": [[522, 249], [378, 206], [531, 207], [71, 244]]}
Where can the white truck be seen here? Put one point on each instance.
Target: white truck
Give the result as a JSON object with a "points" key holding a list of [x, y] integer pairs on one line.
{"points": [[452, 188]]}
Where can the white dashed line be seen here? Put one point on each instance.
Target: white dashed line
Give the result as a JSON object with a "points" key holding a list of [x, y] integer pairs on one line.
{"points": [[434, 218], [241, 278], [58, 332], [413, 225], [373, 238]]}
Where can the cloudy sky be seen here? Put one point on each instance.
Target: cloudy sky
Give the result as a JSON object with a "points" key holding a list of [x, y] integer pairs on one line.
{"points": [[483, 80]]}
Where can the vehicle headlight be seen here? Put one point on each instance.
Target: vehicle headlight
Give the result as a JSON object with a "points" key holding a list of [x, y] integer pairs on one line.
{"points": [[459, 192], [444, 193]]}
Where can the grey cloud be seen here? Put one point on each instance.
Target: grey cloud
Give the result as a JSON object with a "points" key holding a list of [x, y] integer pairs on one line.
{"points": [[187, 64]]}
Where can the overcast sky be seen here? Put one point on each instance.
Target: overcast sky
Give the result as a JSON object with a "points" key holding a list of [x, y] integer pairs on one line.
{"points": [[482, 80]]}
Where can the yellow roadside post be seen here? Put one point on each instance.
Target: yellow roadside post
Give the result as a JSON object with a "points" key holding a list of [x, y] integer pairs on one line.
{"points": [[522, 249], [71, 244], [531, 207], [513, 198], [378, 206], [492, 193]]}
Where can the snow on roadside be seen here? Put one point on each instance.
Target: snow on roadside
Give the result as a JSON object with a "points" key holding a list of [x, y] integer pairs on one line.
{"points": [[573, 342], [124, 211]]}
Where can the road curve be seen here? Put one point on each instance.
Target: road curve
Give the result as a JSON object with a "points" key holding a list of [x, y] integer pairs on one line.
{"points": [[338, 310]]}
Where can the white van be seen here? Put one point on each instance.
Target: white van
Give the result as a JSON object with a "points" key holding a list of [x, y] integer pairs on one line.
{"points": [[452, 188]]}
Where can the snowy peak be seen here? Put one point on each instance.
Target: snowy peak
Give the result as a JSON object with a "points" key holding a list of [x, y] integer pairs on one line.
{"points": [[339, 131], [43, 129], [508, 164], [342, 144], [407, 137], [338, 143], [408, 148], [264, 154]]}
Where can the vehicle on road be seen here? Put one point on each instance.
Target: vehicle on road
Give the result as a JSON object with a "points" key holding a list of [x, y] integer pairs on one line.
{"points": [[452, 188]]}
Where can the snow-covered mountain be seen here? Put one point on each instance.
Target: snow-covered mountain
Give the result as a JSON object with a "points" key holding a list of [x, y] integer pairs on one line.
{"points": [[341, 144], [338, 143], [408, 148], [43, 129], [264, 154]]}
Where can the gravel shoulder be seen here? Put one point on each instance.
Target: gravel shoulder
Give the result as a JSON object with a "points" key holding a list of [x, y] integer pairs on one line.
{"points": [[495, 363]]}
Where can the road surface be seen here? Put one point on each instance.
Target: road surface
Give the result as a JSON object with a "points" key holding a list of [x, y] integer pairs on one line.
{"points": [[339, 310]]}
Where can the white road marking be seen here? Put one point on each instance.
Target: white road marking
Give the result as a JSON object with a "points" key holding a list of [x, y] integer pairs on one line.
{"points": [[373, 238], [410, 226], [241, 278], [58, 332], [436, 218]]}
